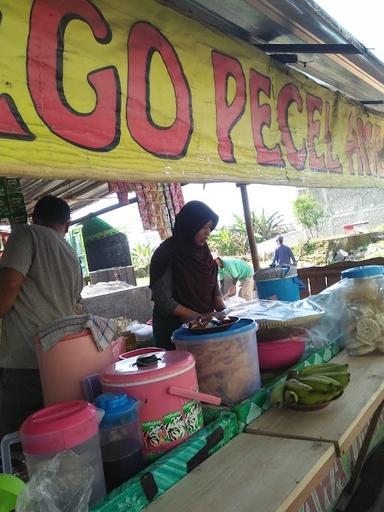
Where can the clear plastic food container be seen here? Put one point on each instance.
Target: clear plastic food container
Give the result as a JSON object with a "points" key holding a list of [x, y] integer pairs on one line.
{"points": [[363, 292], [227, 362]]}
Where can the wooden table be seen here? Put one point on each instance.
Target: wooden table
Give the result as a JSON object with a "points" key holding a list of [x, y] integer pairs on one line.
{"points": [[341, 421], [250, 473]]}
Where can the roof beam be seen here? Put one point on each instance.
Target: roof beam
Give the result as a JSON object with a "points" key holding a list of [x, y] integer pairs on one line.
{"points": [[310, 48], [372, 102], [104, 210]]}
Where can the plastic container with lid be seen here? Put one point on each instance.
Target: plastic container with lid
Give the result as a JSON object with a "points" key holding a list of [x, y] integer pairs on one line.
{"points": [[65, 426], [120, 438], [227, 362], [363, 292], [157, 379], [64, 366]]}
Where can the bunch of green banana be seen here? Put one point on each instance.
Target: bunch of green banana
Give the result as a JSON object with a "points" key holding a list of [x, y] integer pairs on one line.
{"points": [[313, 385]]}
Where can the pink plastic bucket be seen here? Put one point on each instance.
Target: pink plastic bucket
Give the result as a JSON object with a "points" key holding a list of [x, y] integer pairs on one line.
{"points": [[63, 367]]}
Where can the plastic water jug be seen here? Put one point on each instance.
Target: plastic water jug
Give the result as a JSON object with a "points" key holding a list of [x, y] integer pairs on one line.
{"points": [[120, 437], [69, 425], [165, 383]]}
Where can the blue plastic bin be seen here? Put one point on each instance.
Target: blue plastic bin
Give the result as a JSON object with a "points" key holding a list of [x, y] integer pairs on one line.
{"points": [[286, 288]]}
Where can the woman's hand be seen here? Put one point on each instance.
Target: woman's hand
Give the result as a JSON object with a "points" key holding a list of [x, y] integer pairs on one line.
{"points": [[220, 315], [188, 315]]}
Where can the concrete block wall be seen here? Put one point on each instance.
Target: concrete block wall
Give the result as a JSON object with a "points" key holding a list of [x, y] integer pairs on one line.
{"points": [[346, 206], [134, 303]]}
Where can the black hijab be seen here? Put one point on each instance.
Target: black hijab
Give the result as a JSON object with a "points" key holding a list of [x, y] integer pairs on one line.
{"points": [[194, 273]]}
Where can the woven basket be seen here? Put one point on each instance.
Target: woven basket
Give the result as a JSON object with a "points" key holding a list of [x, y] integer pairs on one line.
{"points": [[304, 321]]}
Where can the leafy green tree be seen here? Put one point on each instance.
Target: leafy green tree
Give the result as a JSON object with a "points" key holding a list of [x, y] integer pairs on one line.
{"points": [[233, 240], [309, 213], [228, 242], [141, 259], [264, 226]]}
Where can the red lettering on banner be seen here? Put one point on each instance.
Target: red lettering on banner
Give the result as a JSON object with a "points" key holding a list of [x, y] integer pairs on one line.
{"points": [[164, 142], [364, 133], [261, 116], [333, 163], [12, 125], [378, 156], [227, 115], [98, 130], [289, 94], [352, 147], [314, 104]]}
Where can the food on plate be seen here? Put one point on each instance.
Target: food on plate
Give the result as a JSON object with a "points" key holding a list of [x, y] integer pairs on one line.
{"points": [[204, 323], [314, 385], [201, 323]]}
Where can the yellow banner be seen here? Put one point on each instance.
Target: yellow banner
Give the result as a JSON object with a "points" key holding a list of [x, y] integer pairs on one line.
{"points": [[113, 90]]}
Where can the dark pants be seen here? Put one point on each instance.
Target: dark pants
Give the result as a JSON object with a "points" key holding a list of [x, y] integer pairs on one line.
{"points": [[20, 396], [163, 327]]}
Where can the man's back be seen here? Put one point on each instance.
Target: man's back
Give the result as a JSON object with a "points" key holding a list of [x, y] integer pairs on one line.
{"points": [[237, 269], [283, 255], [50, 289]]}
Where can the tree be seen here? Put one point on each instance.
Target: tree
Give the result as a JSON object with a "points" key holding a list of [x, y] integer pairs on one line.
{"points": [[264, 226], [141, 258], [233, 240], [228, 242], [309, 213]]}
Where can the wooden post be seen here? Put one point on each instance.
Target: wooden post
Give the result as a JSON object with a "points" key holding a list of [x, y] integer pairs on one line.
{"points": [[249, 226]]}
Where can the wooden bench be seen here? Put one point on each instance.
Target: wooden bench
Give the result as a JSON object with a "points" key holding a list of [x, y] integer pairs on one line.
{"points": [[251, 473], [316, 279], [341, 422]]}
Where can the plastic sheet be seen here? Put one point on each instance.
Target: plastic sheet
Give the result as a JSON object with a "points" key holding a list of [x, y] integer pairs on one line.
{"points": [[323, 316], [143, 332], [333, 325], [64, 485], [275, 313]]}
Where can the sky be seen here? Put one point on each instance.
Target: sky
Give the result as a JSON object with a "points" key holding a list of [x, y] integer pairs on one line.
{"points": [[361, 18], [364, 20]]}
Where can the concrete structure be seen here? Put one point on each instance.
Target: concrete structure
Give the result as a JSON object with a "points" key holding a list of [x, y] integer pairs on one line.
{"points": [[126, 274], [347, 206], [134, 303]]}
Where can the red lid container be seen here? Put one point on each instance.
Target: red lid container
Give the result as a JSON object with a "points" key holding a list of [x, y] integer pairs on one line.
{"points": [[59, 427]]}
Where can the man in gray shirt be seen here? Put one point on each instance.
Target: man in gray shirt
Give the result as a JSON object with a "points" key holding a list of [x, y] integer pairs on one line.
{"points": [[40, 282]]}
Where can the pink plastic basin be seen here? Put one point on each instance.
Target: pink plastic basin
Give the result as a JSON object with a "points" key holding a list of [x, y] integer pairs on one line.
{"points": [[281, 353]]}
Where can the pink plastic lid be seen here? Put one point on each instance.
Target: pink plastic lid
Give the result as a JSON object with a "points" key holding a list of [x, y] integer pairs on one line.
{"points": [[59, 427], [147, 365]]}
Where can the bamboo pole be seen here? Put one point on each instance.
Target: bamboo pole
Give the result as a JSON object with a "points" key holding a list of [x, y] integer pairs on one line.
{"points": [[249, 226]]}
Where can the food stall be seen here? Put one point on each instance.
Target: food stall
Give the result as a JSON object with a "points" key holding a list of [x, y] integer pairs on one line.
{"points": [[196, 105]]}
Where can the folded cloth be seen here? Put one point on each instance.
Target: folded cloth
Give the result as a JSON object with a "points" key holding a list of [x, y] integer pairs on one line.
{"points": [[102, 329]]}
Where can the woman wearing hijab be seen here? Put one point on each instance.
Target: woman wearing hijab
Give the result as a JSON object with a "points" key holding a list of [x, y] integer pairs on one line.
{"points": [[183, 275]]}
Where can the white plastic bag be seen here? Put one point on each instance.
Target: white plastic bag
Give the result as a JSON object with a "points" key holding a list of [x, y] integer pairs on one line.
{"points": [[63, 485]]}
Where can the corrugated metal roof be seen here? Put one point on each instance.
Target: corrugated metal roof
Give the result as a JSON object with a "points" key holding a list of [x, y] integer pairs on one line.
{"points": [[77, 193], [359, 76]]}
